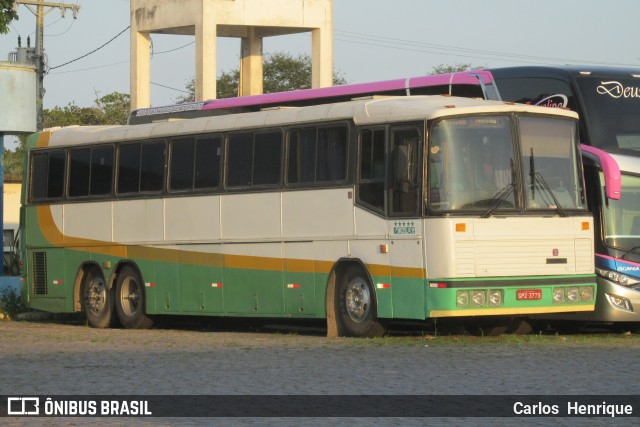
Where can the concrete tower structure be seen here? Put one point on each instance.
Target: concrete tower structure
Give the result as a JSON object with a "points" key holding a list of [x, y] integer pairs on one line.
{"points": [[250, 20]]}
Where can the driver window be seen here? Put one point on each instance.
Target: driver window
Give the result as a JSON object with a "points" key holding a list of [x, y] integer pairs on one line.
{"points": [[405, 171]]}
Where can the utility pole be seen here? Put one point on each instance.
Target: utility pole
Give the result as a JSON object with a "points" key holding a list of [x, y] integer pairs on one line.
{"points": [[39, 12]]}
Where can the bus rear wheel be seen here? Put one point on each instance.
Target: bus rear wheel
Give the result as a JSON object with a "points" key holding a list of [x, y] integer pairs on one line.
{"points": [[130, 300], [97, 299], [357, 311]]}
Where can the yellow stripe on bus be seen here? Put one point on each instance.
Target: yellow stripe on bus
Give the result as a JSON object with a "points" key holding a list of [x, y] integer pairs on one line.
{"points": [[54, 236], [43, 139], [510, 310]]}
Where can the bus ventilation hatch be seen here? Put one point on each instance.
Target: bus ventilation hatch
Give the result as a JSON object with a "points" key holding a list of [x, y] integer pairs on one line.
{"points": [[40, 273]]}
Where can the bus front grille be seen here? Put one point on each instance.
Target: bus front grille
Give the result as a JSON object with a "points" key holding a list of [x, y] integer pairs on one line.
{"points": [[40, 273]]}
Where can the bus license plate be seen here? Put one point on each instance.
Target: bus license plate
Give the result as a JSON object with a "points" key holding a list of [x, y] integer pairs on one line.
{"points": [[528, 294]]}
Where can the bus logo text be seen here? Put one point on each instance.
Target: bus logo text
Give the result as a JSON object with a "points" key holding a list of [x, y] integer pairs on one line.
{"points": [[618, 90], [554, 101]]}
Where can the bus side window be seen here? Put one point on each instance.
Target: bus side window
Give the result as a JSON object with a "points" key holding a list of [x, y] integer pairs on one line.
{"points": [[90, 171], [371, 169], [405, 189], [47, 175], [332, 154], [301, 155], [208, 156], [317, 155]]}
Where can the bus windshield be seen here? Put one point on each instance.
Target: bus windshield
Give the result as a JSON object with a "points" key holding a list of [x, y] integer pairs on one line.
{"points": [[612, 107], [472, 165], [551, 165], [622, 218]]}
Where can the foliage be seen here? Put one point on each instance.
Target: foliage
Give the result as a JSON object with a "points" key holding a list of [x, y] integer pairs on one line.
{"points": [[7, 14], [12, 163], [111, 109], [444, 68], [10, 303], [282, 72]]}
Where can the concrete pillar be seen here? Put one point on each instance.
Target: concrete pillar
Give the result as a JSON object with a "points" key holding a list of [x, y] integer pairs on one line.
{"points": [[321, 58], [140, 69], [205, 78], [250, 20], [251, 80]]}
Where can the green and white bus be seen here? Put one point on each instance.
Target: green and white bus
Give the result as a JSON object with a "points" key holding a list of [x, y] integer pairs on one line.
{"points": [[425, 207]]}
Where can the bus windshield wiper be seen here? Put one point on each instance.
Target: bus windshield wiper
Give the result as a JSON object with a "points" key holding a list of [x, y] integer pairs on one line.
{"points": [[543, 183], [498, 198], [502, 194]]}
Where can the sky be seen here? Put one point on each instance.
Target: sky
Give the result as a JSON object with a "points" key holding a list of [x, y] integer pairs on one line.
{"points": [[373, 40]]}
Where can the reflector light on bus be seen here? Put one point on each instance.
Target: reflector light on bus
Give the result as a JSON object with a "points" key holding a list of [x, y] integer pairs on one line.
{"points": [[383, 285], [585, 225], [216, 285], [437, 285], [293, 286], [573, 294], [461, 228], [150, 285], [57, 282]]}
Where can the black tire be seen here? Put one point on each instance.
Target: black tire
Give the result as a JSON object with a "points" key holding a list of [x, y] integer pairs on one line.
{"points": [[97, 299], [519, 326], [486, 327], [130, 300], [356, 306]]}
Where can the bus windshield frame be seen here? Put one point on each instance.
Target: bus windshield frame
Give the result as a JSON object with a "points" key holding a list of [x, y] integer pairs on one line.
{"points": [[621, 218], [504, 164]]}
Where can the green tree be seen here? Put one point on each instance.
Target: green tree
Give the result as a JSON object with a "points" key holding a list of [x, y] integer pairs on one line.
{"points": [[282, 72], [7, 14], [111, 109], [444, 68], [12, 163]]}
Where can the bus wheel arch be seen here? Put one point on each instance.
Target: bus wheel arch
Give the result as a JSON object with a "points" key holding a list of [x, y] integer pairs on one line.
{"points": [[130, 296], [352, 301], [94, 296]]}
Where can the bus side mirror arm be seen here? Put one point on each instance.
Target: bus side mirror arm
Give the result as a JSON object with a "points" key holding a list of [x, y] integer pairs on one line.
{"points": [[610, 169]]}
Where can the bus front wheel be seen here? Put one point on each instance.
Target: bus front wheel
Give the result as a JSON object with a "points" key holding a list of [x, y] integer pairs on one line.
{"points": [[130, 300], [97, 300], [357, 306]]}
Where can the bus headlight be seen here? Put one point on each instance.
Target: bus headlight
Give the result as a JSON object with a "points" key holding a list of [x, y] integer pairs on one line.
{"points": [[573, 294], [495, 297], [462, 298], [478, 297], [586, 293], [558, 295], [614, 276], [620, 302]]}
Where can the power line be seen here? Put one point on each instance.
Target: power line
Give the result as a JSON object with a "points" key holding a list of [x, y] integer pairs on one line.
{"points": [[416, 46], [93, 51], [169, 87], [173, 50]]}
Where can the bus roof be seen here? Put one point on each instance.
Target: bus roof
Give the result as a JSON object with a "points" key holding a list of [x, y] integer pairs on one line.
{"points": [[366, 111], [312, 96], [563, 71]]}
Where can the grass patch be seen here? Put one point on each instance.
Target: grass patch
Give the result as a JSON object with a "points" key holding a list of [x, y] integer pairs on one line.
{"points": [[584, 339]]}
